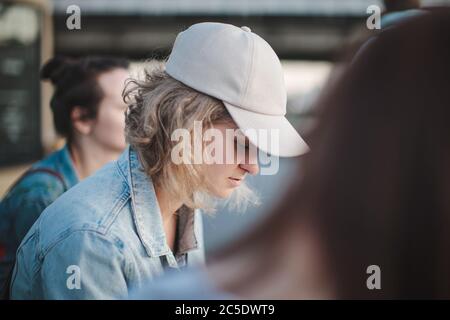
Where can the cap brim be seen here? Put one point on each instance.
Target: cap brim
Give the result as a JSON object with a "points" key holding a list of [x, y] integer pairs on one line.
{"points": [[280, 139]]}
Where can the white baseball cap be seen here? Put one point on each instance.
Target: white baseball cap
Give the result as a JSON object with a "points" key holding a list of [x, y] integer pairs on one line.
{"points": [[239, 68]]}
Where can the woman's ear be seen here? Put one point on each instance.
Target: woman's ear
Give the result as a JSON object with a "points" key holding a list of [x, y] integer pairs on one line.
{"points": [[80, 122]]}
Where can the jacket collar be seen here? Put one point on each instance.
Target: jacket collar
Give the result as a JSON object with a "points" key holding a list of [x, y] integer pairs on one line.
{"points": [[147, 214], [66, 167]]}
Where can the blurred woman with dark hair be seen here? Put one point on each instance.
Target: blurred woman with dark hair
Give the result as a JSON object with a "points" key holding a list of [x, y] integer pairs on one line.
{"points": [[374, 189], [88, 110]]}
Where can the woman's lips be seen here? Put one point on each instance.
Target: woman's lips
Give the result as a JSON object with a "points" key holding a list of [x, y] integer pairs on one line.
{"points": [[235, 182]]}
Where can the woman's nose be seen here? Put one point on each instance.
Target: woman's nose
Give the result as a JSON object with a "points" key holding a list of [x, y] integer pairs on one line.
{"points": [[251, 168], [250, 164]]}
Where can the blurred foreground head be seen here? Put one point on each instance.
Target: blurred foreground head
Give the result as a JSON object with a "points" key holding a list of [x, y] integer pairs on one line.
{"points": [[399, 5], [377, 181], [375, 187]]}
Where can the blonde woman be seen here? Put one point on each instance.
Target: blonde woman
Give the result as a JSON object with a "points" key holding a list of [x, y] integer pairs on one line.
{"points": [[137, 216]]}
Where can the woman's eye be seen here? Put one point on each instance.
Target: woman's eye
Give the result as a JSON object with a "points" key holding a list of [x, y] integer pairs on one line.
{"points": [[241, 146]]}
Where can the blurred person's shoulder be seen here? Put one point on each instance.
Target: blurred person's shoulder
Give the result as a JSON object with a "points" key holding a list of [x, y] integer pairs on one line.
{"points": [[40, 177], [38, 187], [187, 284], [50, 177]]}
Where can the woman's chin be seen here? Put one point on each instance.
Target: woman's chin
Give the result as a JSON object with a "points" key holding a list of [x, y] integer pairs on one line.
{"points": [[223, 194]]}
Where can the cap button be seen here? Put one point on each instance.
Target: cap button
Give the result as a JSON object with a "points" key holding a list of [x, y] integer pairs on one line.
{"points": [[246, 29]]}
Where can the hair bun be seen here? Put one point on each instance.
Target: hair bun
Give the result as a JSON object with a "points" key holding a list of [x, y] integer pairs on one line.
{"points": [[54, 68]]}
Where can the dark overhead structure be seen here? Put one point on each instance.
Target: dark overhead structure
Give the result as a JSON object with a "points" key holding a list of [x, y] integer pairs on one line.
{"points": [[141, 29], [300, 29]]}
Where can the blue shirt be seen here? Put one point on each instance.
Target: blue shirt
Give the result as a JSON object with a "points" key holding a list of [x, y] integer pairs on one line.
{"points": [[103, 237], [45, 182], [191, 284]]}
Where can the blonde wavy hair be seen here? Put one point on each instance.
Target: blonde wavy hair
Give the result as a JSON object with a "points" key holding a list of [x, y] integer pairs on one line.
{"points": [[157, 106]]}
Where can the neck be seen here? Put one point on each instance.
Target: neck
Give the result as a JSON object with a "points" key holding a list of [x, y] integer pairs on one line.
{"points": [[167, 204], [88, 157]]}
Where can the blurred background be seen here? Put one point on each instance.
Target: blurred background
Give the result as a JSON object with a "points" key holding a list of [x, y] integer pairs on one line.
{"points": [[307, 35]]}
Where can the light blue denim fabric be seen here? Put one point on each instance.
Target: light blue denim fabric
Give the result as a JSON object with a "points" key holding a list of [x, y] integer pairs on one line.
{"points": [[103, 237], [191, 284], [26, 200]]}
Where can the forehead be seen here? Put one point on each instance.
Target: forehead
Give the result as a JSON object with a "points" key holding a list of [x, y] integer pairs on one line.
{"points": [[112, 82]]}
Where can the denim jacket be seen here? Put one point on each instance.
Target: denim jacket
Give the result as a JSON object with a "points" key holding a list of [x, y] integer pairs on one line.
{"points": [[43, 183], [102, 238]]}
